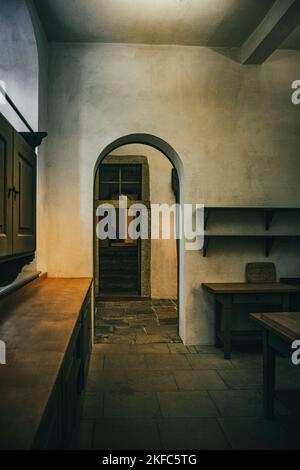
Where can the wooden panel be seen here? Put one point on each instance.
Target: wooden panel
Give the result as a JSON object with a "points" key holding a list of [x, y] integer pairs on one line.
{"points": [[24, 197], [6, 135], [247, 288], [274, 298]]}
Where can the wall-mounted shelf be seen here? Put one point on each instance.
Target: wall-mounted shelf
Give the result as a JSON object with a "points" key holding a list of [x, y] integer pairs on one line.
{"points": [[268, 240], [269, 212]]}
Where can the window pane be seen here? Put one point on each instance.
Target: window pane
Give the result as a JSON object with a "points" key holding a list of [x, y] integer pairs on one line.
{"points": [[132, 190], [109, 173], [109, 190], [131, 173]]}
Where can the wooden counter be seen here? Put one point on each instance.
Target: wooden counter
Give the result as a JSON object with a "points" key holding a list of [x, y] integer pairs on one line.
{"points": [[46, 327]]}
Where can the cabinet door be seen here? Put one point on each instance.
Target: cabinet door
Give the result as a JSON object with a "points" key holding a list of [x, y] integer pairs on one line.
{"points": [[6, 196], [24, 206]]}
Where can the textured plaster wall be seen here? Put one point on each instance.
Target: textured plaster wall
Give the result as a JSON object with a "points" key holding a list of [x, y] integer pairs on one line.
{"points": [[233, 126], [18, 63], [163, 252]]}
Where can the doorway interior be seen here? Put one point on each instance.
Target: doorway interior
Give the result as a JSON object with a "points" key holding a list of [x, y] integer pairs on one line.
{"points": [[136, 281]]}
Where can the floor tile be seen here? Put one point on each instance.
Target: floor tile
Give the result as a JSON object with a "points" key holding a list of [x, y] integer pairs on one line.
{"points": [[186, 405], [131, 404], [199, 380], [96, 362], [111, 348], [126, 434], [92, 405], [109, 380], [167, 361], [84, 439], [256, 433], [208, 361], [149, 348], [152, 380], [192, 434], [178, 348], [124, 361], [242, 378], [152, 339], [238, 402]]}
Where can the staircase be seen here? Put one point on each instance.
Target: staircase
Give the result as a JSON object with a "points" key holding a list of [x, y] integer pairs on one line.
{"points": [[119, 271]]}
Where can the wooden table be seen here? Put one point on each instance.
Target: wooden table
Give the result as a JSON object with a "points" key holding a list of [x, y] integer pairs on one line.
{"points": [[229, 294], [280, 330]]}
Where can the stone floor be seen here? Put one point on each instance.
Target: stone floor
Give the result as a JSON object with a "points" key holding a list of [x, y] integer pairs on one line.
{"points": [[146, 390], [169, 396], [136, 322]]}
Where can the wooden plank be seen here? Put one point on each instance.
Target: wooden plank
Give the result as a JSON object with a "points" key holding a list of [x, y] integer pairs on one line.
{"points": [[245, 288], [284, 324], [276, 26]]}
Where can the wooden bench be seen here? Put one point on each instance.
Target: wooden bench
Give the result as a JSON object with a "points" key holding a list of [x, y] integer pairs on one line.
{"points": [[46, 327]]}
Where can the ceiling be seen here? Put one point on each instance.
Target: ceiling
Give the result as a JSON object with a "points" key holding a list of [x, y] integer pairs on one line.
{"points": [[293, 41], [214, 23]]}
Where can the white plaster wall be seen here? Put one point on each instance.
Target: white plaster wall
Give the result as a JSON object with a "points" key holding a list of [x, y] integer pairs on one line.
{"points": [[233, 126], [18, 63], [163, 252]]}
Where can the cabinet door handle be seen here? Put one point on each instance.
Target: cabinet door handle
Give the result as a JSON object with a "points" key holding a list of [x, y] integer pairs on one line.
{"points": [[10, 190], [15, 193]]}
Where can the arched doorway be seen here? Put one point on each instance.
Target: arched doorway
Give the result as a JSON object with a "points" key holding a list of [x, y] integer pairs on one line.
{"points": [[168, 151]]}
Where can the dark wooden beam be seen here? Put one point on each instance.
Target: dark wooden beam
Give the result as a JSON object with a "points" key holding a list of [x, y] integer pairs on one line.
{"points": [[277, 25]]}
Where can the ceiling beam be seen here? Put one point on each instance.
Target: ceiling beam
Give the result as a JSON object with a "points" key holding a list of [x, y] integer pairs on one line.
{"points": [[276, 26]]}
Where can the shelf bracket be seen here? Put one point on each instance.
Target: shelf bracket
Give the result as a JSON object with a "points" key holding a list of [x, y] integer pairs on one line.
{"points": [[205, 247], [206, 217], [34, 139], [269, 242], [269, 217]]}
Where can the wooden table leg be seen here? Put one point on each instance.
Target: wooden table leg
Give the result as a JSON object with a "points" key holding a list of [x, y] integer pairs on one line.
{"points": [[226, 313], [218, 343], [269, 363]]}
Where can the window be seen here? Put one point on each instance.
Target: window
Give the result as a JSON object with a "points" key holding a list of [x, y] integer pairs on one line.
{"points": [[116, 180]]}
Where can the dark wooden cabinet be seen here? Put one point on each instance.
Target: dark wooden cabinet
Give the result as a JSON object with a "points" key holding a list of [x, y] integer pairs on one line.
{"points": [[6, 197], [61, 419], [24, 204], [17, 202]]}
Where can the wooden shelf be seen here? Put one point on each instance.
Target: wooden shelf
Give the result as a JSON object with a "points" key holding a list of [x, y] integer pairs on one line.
{"points": [[268, 211], [268, 239]]}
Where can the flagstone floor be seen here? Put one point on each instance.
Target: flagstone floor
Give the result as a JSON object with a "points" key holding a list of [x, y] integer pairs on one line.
{"points": [[143, 393], [136, 322]]}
